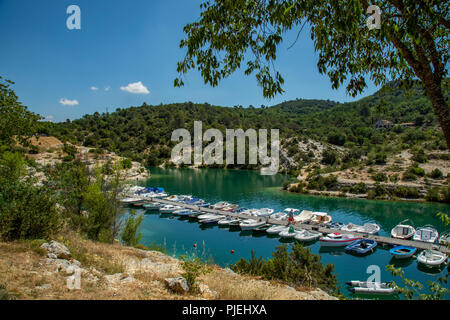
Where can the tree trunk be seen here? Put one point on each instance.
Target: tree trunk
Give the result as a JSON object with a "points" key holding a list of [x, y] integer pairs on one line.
{"points": [[440, 106]]}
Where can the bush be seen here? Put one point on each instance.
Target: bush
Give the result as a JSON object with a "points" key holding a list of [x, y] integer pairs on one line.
{"points": [[129, 234], [436, 174], [380, 177], [193, 268], [406, 192], [329, 157], [126, 163], [299, 267], [432, 195], [27, 212], [408, 176], [359, 188]]}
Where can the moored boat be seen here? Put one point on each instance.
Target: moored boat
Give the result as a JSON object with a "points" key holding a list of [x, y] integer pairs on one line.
{"points": [[402, 252], [307, 235], [227, 221], [169, 208], [152, 206], [321, 218], [403, 231], [304, 217], [371, 287], [250, 224], [276, 229], [361, 246], [337, 239], [426, 233], [289, 233], [432, 258]]}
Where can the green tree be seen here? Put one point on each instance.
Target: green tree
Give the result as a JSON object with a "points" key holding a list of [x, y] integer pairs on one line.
{"points": [[130, 235], [15, 119], [412, 41]]}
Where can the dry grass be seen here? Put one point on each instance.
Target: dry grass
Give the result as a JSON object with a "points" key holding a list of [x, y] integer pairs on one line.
{"points": [[25, 274]]}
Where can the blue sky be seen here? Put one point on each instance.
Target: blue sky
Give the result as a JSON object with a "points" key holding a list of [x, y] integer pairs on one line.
{"points": [[126, 42]]}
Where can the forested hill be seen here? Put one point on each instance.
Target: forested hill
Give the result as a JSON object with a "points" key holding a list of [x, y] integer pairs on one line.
{"points": [[134, 131]]}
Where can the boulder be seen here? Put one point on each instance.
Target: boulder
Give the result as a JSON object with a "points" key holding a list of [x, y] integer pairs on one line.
{"points": [[178, 285], [56, 249]]}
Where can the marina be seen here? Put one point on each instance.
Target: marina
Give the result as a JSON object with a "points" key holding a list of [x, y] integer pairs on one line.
{"points": [[298, 226], [225, 243]]}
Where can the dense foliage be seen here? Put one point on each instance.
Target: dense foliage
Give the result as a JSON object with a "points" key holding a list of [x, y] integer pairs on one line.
{"points": [[144, 133], [298, 267]]}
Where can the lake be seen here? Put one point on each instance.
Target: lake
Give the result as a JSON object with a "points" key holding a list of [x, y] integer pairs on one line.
{"points": [[250, 189]]}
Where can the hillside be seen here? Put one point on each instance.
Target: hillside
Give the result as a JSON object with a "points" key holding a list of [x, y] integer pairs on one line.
{"points": [[111, 271], [393, 128]]}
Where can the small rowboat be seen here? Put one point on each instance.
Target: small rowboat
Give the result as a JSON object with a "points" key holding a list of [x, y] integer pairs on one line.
{"points": [[212, 220], [187, 213], [370, 228], [402, 252], [289, 233], [403, 231], [371, 287], [276, 229], [362, 246], [306, 235], [262, 229], [337, 240], [432, 258], [426, 234]]}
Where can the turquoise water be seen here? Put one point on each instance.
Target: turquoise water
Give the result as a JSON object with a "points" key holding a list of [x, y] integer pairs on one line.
{"points": [[250, 189]]}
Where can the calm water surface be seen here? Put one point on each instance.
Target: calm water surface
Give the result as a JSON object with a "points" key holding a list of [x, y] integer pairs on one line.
{"points": [[250, 189]]}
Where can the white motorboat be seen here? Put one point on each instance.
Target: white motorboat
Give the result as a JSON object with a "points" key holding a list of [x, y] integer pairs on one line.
{"points": [[370, 228], [206, 216], [220, 205], [227, 221], [130, 200], [288, 233], [169, 208], [306, 235], [371, 287], [250, 224], [337, 239], [276, 229], [264, 212], [251, 212], [426, 234], [403, 231], [182, 211], [432, 258], [304, 216], [321, 218], [280, 216]]}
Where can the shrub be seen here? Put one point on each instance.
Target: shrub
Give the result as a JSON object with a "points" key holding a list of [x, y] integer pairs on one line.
{"points": [[406, 192], [380, 177], [408, 176], [299, 267], [436, 174], [432, 195], [193, 268], [129, 234], [126, 163], [359, 188]]}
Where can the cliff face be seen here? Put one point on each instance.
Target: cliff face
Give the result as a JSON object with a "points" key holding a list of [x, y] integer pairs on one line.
{"points": [[74, 268]]}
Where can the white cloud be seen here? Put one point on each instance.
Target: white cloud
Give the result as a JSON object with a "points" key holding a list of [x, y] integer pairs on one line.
{"points": [[49, 118], [107, 88], [67, 102], [136, 88], [94, 88]]}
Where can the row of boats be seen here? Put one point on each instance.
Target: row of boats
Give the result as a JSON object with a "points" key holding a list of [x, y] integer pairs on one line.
{"points": [[259, 222]]}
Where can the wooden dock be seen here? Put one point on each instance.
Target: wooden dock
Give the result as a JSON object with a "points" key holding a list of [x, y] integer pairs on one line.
{"points": [[379, 239]]}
